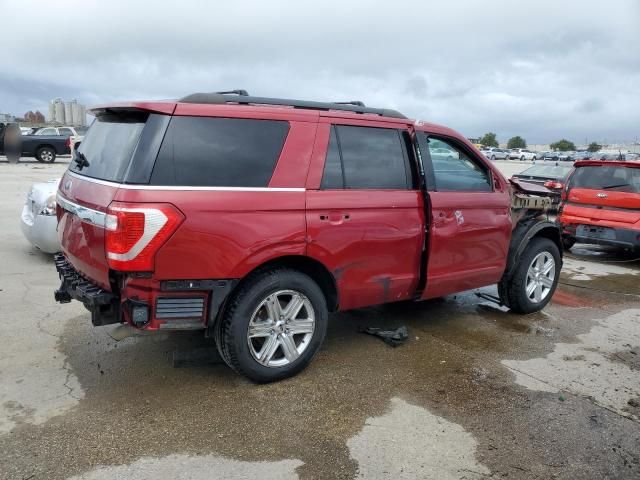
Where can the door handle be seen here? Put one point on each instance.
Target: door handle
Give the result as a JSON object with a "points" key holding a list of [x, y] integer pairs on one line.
{"points": [[335, 217]]}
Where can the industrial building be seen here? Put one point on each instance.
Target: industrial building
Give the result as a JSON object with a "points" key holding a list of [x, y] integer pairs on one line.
{"points": [[67, 113]]}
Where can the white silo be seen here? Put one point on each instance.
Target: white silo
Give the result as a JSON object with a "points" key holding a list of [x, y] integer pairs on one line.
{"points": [[59, 118], [75, 113], [68, 114], [52, 112]]}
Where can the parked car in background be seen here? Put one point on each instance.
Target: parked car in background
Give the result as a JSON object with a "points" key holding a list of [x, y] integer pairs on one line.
{"points": [[601, 204], [61, 131], [522, 154], [250, 222], [553, 177], [493, 153], [565, 156], [74, 143], [549, 156], [45, 148], [38, 219], [617, 156]]}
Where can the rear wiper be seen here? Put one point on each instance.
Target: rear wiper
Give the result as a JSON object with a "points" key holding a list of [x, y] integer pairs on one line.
{"points": [[81, 160], [616, 186]]}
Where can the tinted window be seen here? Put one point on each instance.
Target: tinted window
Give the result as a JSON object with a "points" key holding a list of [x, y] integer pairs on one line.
{"points": [[455, 170], [619, 179], [219, 152], [108, 146], [332, 177], [65, 131], [372, 158], [47, 131]]}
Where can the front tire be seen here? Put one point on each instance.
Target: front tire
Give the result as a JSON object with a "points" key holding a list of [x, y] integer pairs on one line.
{"points": [[46, 155], [534, 281], [273, 326]]}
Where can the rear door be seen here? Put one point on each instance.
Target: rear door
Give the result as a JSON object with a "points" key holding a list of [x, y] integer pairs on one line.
{"points": [[365, 222], [92, 180], [470, 224]]}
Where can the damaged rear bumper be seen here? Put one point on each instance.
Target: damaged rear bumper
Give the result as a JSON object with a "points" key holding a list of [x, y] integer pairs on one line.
{"points": [[104, 306]]}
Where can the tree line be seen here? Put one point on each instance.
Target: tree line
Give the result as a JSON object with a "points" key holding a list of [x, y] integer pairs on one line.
{"points": [[490, 139]]}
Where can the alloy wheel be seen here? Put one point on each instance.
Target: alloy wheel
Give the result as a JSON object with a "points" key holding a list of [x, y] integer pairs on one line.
{"points": [[281, 328], [540, 277]]}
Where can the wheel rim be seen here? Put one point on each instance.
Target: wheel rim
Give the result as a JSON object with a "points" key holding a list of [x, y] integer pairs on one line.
{"points": [[46, 156], [540, 277], [281, 328]]}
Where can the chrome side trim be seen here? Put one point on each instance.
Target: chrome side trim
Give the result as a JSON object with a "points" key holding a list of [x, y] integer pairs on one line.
{"points": [[185, 188], [85, 214]]}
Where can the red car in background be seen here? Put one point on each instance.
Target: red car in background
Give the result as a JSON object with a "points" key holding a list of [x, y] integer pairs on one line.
{"points": [[601, 204]]}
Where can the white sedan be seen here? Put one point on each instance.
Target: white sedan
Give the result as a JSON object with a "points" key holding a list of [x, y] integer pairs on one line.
{"points": [[38, 220]]}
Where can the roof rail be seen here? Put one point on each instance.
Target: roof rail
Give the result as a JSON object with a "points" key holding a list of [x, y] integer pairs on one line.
{"points": [[244, 99], [244, 93], [352, 102]]}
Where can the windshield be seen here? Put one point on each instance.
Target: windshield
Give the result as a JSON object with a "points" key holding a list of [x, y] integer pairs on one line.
{"points": [[556, 171], [108, 145], [615, 178]]}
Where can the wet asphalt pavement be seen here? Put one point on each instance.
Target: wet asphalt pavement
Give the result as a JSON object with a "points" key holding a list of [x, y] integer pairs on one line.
{"points": [[476, 392]]}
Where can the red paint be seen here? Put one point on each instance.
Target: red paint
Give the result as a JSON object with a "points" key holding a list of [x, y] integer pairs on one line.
{"points": [[371, 241]]}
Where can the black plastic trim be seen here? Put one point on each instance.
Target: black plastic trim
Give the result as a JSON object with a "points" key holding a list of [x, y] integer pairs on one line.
{"points": [[222, 98]]}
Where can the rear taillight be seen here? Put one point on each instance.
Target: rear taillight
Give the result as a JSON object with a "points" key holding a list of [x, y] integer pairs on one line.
{"points": [[135, 232], [67, 142], [553, 185]]}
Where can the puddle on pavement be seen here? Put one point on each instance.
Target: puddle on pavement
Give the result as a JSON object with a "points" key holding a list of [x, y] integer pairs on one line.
{"points": [[137, 406], [185, 467], [409, 442], [598, 366]]}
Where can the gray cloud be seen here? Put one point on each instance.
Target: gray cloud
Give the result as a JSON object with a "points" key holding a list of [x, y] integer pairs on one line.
{"points": [[541, 69]]}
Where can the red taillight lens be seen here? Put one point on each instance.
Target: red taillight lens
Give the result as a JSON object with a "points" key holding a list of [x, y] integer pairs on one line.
{"points": [[67, 143], [135, 232], [553, 185]]}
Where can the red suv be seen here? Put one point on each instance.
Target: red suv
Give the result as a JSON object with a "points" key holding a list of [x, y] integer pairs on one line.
{"points": [[602, 204], [251, 218]]}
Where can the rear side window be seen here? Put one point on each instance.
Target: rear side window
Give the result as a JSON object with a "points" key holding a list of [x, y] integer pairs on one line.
{"points": [[219, 152], [366, 158], [107, 148], [609, 177]]}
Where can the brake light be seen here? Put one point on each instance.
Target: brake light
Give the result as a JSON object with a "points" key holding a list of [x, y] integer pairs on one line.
{"points": [[553, 185], [67, 142], [136, 231]]}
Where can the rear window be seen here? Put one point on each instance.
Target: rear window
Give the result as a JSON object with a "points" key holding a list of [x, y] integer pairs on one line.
{"points": [[219, 152], [609, 177], [107, 148]]}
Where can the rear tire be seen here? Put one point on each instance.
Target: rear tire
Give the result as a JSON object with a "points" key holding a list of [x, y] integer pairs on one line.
{"points": [[531, 287], [493, 157], [256, 335], [46, 155]]}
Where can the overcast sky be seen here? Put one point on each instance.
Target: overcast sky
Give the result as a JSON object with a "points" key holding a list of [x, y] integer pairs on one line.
{"points": [[542, 69]]}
